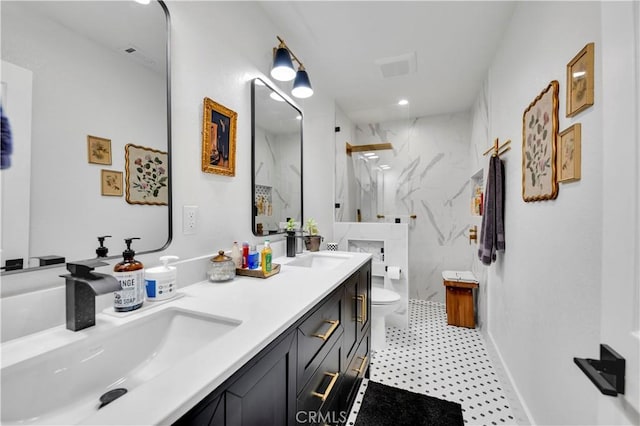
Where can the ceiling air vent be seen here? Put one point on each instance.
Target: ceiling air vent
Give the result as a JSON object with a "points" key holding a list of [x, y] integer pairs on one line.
{"points": [[397, 65]]}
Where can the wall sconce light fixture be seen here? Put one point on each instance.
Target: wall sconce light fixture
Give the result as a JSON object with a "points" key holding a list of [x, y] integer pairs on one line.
{"points": [[283, 70]]}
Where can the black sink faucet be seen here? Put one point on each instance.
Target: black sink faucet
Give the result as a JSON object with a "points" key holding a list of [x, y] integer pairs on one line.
{"points": [[83, 286]]}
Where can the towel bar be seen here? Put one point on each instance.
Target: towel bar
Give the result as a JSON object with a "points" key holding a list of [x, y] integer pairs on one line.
{"points": [[607, 373]]}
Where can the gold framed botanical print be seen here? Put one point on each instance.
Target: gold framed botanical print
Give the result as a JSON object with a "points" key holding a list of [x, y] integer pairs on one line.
{"points": [[111, 183], [569, 147], [539, 135], [218, 139], [147, 175], [99, 150], [580, 81]]}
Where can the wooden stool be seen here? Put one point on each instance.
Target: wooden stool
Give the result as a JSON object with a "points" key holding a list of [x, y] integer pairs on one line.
{"points": [[460, 304]]}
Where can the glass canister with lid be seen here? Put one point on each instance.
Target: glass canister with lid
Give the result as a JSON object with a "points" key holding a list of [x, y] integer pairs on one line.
{"points": [[222, 268]]}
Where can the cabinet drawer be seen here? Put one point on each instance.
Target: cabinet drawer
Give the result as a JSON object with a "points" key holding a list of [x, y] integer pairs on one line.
{"points": [[354, 372], [324, 384], [317, 334]]}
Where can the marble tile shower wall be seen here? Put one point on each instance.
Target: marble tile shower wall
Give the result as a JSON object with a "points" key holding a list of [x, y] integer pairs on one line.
{"points": [[430, 177]]}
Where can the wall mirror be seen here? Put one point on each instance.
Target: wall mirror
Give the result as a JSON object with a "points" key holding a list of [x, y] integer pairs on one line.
{"points": [[80, 82], [276, 158]]}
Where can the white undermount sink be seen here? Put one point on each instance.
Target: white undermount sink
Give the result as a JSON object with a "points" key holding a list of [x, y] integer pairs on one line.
{"points": [[64, 385], [319, 260]]}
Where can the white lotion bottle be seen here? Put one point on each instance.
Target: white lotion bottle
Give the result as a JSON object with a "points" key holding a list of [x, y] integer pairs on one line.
{"points": [[161, 281]]}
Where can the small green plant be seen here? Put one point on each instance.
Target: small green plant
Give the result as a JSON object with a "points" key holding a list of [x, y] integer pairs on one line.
{"points": [[311, 227], [291, 225]]}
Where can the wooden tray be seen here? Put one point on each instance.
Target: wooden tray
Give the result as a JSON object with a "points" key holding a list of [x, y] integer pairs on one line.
{"points": [[257, 273]]}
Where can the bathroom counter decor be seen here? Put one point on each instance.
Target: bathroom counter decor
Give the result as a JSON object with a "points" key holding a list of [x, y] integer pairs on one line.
{"points": [[259, 273]]}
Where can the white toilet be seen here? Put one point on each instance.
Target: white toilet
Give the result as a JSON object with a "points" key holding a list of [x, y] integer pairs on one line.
{"points": [[383, 303]]}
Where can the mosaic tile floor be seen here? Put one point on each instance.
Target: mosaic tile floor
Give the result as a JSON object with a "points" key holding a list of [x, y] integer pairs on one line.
{"points": [[442, 361]]}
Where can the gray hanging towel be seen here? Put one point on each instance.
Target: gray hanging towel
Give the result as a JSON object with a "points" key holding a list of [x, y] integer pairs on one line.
{"points": [[492, 229]]}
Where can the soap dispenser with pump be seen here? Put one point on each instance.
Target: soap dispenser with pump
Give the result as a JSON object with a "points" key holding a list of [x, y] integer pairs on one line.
{"points": [[130, 274], [102, 251]]}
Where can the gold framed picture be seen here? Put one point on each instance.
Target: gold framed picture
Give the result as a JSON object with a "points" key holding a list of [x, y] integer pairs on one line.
{"points": [[580, 81], [147, 175], [218, 139], [99, 150], [539, 135], [569, 155], [111, 183]]}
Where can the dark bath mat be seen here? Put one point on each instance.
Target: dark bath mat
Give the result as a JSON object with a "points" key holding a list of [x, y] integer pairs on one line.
{"points": [[385, 406]]}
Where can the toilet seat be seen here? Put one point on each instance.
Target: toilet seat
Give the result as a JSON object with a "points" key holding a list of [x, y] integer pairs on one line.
{"points": [[382, 296]]}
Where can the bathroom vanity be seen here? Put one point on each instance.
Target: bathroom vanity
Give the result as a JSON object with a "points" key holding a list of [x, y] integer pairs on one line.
{"points": [[248, 351], [313, 367]]}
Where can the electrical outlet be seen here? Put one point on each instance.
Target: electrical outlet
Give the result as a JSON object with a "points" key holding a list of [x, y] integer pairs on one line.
{"points": [[189, 219]]}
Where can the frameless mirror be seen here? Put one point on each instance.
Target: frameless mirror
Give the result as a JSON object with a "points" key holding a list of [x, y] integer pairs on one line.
{"points": [[80, 82], [276, 158]]}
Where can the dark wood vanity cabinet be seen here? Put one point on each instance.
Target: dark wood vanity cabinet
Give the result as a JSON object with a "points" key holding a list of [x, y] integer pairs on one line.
{"points": [[308, 375]]}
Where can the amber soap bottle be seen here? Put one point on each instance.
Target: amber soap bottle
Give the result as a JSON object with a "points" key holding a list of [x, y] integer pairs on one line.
{"points": [[130, 274]]}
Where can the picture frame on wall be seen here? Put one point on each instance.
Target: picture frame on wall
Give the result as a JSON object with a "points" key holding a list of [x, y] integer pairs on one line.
{"points": [[147, 175], [111, 183], [580, 81], [569, 154], [539, 136], [99, 150], [218, 139]]}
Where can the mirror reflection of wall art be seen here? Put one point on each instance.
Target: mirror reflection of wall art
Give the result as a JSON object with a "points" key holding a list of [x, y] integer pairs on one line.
{"points": [[569, 154], [539, 134], [580, 81], [111, 183], [218, 139], [99, 150], [147, 175]]}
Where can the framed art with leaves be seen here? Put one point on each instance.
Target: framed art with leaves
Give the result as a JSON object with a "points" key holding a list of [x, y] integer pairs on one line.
{"points": [[111, 183], [539, 134], [580, 81], [99, 150], [147, 175], [569, 153]]}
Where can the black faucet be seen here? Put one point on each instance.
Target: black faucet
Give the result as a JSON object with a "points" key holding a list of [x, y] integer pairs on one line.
{"points": [[82, 288]]}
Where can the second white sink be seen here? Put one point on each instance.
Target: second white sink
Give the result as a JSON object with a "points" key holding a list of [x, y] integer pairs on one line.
{"points": [[319, 260], [64, 386]]}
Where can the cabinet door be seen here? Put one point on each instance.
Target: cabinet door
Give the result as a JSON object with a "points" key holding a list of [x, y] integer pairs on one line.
{"points": [[265, 394], [209, 412], [351, 325], [363, 298]]}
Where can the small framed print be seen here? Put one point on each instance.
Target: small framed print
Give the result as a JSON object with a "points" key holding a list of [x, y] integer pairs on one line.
{"points": [[99, 150], [111, 183], [580, 81], [218, 139], [569, 154]]}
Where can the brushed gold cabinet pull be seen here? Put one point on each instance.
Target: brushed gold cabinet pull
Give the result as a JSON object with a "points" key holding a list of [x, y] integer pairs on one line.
{"points": [[363, 308], [360, 369], [325, 395], [334, 325]]}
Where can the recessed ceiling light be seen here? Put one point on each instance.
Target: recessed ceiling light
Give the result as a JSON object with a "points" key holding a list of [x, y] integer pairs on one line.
{"points": [[403, 102], [298, 117], [373, 157], [143, 1], [369, 154]]}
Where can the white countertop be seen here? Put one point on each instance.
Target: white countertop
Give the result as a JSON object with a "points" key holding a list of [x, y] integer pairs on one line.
{"points": [[266, 307]]}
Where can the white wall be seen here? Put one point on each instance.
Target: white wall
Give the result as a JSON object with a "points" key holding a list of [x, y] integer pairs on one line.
{"points": [[543, 292]]}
